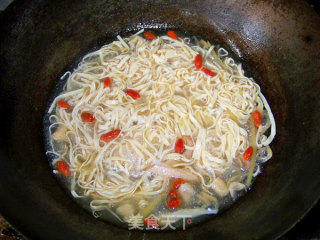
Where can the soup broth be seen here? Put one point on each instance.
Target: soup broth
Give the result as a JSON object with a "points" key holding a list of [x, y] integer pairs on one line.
{"points": [[157, 131]]}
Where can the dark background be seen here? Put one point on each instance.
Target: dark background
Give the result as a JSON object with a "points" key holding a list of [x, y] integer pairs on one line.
{"points": [[307, 228]]}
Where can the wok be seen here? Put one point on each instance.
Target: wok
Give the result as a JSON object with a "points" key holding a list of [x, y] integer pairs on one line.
{"points": [[279, 43]]}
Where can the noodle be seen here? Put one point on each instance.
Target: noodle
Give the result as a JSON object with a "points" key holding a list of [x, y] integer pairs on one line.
{"points": [[176, 100]]}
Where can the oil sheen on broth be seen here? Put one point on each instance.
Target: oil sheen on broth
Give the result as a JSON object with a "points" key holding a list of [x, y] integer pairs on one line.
{"points": [[158, 125]]}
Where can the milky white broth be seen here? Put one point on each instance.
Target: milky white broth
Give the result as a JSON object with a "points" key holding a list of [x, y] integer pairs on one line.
{"points": [[143, 127]]}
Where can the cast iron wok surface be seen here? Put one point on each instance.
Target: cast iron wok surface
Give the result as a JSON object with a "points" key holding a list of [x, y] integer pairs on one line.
{"points": [[279, 42]]}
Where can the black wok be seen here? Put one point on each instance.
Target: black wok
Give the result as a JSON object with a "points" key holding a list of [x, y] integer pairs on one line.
{"points": [[279, 42]]}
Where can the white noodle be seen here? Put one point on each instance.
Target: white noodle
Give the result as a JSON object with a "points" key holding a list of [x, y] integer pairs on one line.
{"points": [[176, 99]]}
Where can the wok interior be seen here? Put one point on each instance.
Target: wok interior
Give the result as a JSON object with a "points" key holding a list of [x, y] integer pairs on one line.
{"points": [[42, 39]]}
